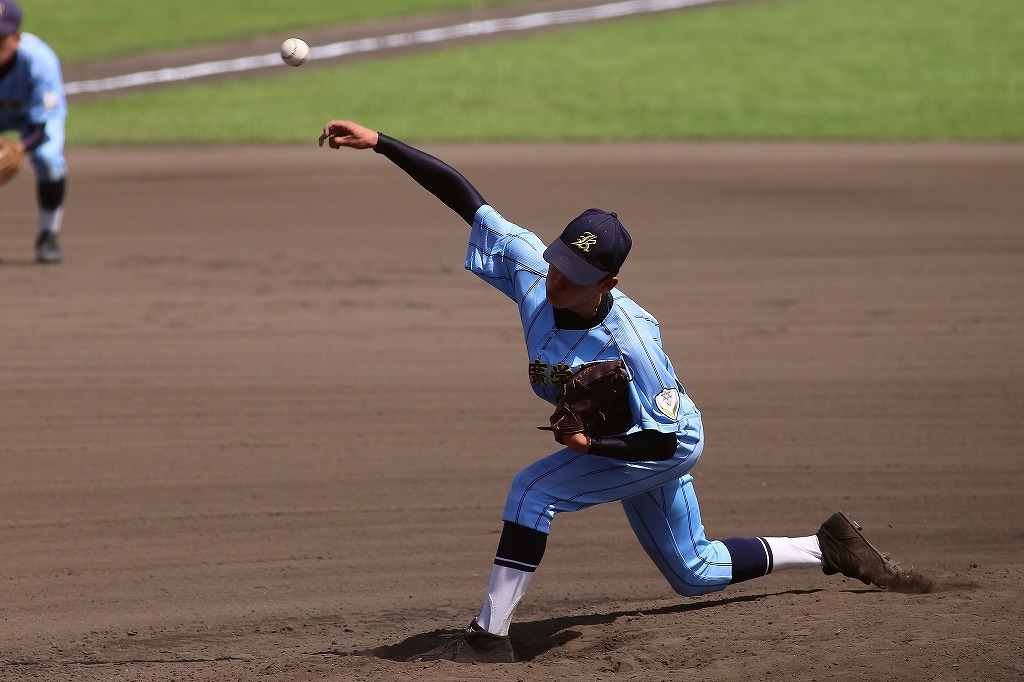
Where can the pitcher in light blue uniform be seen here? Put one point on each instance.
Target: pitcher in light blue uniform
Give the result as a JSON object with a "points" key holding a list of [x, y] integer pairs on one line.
{"points": [[513, 261], [573, 314], [32, 102]]}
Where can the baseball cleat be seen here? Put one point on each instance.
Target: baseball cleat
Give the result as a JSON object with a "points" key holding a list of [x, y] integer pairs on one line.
{"points": [[845, 550], [475, 645], [48, 248]]}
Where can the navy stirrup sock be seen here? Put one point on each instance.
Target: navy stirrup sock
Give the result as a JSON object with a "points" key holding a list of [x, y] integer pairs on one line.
{"points": [[520, 547], [751, 558]]}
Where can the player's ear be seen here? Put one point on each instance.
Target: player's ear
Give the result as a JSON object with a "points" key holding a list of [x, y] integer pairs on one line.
{"points": [[608, 284]]}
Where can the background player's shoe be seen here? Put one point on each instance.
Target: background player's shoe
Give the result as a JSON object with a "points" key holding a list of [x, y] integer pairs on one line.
{"points": [[845, 550], [48, 248], [475, 645]]}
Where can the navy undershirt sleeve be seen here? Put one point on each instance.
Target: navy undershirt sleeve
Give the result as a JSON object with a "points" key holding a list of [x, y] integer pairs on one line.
{"points": [[34, 137], [648, 445], [434, 175]]}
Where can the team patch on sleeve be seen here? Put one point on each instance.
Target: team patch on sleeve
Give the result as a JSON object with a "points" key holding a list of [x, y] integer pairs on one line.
{"points": [[668, 402]]}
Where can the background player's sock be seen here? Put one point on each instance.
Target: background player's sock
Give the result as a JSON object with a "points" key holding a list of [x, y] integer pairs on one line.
{"points": [[51, 205], [520, 550], [794, 552], [50, 221]]}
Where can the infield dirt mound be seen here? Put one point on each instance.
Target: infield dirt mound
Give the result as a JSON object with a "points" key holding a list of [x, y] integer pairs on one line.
{"points": [[261, 423]]}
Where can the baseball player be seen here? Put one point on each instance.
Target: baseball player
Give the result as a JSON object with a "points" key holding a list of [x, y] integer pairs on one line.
{"points": [[32, 103], [573, 314]]}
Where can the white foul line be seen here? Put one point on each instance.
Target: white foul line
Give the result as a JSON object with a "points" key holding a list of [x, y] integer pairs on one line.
{"points": [[395, 40]]}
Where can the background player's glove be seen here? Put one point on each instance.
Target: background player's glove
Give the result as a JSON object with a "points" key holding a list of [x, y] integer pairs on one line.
{"points": [[595, 402], [10, 159]]}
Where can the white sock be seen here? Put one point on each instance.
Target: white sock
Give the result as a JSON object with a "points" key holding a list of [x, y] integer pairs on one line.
{"points": [[794, 552], [50, 221], [507, 587]]}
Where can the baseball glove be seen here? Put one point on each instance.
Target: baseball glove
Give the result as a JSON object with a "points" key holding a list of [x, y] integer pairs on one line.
{"points": [[595, 402], [10, 159]]}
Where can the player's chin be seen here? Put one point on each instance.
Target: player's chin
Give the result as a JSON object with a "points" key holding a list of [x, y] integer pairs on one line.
{"points": [[555, 300]]}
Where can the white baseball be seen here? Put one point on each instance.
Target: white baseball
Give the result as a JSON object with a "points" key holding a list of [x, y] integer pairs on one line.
{"points": [[294, 51]]}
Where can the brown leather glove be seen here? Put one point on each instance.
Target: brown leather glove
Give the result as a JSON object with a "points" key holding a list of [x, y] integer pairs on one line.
{"points": [[10, 159], [595, 402]]}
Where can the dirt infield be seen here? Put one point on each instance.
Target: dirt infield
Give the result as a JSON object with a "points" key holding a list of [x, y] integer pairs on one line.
{"points": [[260, 424]]}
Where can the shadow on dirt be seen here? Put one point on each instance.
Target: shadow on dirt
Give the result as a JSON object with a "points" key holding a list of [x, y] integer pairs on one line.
{"points": [[531, 639], [20, 262]]}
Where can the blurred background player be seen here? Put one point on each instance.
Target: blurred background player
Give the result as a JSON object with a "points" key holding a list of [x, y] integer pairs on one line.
{"points": [[32, 103]]}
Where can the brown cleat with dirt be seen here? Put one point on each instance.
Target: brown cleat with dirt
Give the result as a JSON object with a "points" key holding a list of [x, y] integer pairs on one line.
{"points": [[845, 550]]}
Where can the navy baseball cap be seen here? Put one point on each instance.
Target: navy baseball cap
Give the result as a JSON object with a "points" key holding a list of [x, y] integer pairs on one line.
{"points": [[10, 17], [591, 248]]}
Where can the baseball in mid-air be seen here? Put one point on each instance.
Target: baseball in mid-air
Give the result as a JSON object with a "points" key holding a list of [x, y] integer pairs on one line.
{"points": [[294, 51]]}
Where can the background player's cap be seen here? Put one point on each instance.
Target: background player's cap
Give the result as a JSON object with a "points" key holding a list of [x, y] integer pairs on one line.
{"points": [[10, 17], [591, 248]]}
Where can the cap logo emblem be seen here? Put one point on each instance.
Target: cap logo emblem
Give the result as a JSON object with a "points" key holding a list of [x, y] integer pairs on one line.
{"points": [[585, 241]]}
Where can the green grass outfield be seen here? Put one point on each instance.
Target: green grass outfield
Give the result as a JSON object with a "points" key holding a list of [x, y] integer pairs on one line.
{"points": [[84, 30], [911, 70]]}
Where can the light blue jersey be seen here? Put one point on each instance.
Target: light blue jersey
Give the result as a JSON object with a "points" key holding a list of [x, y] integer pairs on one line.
{"points": [[510, 259], [32, 93]]}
